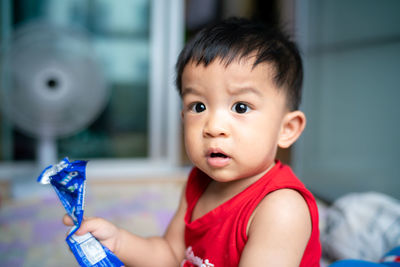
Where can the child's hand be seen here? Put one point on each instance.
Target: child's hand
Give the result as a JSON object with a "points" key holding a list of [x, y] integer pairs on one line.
{"points": [[106, 232]]}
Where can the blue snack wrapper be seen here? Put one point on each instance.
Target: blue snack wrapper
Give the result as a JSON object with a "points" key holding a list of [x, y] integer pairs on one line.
{"points": [[69, 181]]}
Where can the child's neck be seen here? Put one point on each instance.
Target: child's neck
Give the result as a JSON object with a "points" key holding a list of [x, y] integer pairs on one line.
{"points": [[230, 189], [217, 193]]}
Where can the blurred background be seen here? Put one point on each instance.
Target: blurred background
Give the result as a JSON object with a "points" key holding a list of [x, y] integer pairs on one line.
{"points": [[89, 80], [94, 80]]}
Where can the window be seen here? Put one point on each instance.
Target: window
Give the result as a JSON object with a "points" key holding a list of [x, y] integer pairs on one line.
{"points": [[135, 43]]}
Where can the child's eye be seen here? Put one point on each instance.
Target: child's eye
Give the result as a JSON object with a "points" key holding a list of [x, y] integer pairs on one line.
{"points": [[240, 108], [198, 107]]}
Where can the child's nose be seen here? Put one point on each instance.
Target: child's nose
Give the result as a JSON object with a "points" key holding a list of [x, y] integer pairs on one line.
{"points": [[216, 125]]}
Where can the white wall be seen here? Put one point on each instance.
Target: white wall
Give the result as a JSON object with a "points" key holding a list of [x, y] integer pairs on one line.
{"points": [[351, 52]]}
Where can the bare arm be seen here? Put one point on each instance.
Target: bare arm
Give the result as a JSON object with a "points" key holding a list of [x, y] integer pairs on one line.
{"points": [[278, 231], [134, 250]]}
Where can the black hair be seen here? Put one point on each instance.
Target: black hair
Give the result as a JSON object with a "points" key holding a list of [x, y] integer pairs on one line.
{"points": [[237, 38]]}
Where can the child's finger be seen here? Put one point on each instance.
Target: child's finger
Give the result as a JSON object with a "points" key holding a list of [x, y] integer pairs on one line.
{"points": [[67, 220], [98, 227], [89, 225]]}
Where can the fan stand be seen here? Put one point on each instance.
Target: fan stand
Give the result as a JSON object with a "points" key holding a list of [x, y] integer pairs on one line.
{"points": [[46, 151]]}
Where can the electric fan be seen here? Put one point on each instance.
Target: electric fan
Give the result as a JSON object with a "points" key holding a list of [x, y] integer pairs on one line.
{"points": [[53, 84]]}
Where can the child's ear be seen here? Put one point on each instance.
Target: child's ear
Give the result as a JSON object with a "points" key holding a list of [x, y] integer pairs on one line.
{"points": [[293, 125]]}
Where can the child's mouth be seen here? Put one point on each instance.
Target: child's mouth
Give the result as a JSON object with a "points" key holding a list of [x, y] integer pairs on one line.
{"points": [[218, 159], [218, 155]]}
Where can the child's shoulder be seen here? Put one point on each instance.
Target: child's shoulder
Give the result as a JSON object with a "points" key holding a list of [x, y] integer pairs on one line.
{"points": [[280, 223], [279, 209], [282, 201]]}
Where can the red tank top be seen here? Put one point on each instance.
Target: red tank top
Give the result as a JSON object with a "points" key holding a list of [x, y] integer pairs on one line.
{"points": [[218, 238]]}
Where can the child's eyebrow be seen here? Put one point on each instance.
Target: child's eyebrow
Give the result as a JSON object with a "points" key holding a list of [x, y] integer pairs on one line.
{"points": [[235, 92], [245, 90], [189, 90]]}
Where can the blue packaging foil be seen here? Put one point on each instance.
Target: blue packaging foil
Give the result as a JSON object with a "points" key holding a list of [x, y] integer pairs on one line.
{"points": [[69, 181]]}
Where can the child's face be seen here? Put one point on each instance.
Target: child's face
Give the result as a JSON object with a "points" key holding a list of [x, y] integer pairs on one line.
{"points": [[232, 118]]}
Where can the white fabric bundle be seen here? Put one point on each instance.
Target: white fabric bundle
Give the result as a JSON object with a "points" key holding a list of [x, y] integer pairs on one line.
{"points": [[361, 226]]}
